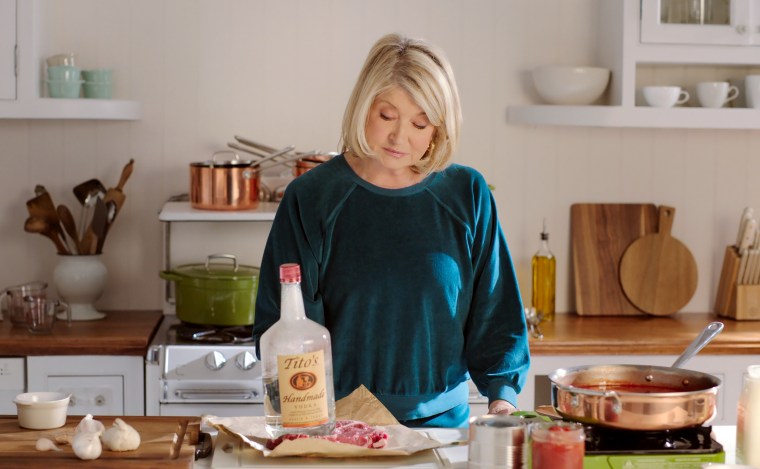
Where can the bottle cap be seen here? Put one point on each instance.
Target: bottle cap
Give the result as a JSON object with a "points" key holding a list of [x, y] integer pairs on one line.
{"points": [[290, 273]]}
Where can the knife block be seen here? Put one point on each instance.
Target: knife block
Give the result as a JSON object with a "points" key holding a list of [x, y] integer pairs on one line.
{"points": [[740, 302]]}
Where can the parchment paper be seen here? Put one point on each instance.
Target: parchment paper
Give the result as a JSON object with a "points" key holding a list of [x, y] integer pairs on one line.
{"points": [[359, 405]]}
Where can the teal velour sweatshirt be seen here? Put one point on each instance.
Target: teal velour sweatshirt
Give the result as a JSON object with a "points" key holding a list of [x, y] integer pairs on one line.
{"points": [[416, 286]]}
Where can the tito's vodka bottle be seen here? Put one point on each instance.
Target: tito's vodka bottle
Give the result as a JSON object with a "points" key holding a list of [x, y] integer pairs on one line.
{"points": [[297, 366]]}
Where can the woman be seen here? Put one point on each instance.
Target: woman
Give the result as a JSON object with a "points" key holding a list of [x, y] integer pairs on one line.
{"points": [[402, 255]]}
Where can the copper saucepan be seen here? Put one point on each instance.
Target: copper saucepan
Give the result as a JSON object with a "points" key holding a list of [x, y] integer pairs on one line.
{"points": [[231, 184], [638, 397]]}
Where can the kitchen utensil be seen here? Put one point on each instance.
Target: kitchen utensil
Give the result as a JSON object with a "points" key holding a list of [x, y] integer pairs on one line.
{"points": [[126, 172], [704, 338], [69, 225], [600, 233], [260, 146], [98, 226], [43, 227], [216, 293], [41, 207], [87, 189], [638, 397], [248, 150], [16, 295], [658, 272], [41, 314]]}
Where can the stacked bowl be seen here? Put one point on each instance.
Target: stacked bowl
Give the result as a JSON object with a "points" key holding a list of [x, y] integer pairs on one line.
{"points": [[97, 83], [64, 81]]}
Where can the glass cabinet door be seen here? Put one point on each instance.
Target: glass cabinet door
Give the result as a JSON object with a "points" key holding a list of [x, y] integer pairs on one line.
{"points": [[708, 22]]}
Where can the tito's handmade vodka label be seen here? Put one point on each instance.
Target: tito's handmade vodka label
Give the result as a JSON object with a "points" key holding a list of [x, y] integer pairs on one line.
{"points": [[303, 394]]}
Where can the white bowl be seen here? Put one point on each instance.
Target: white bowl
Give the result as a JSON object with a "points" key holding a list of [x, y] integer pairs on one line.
{"points": [[570, 85], [42, 410]]}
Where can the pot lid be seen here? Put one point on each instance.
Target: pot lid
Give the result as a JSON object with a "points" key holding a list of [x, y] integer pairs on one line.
{"points": [[215, 162], [228, 269]]}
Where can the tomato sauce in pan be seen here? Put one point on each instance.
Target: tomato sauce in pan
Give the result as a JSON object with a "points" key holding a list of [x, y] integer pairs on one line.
{"points": [[630, 387]]}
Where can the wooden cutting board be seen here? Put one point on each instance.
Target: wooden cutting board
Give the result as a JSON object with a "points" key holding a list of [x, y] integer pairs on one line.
{"points": [[658, 272], [600, 235], [167, 443]]}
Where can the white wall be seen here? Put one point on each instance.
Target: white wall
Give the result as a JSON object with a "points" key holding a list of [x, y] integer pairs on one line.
{"points": [[279, 71]]}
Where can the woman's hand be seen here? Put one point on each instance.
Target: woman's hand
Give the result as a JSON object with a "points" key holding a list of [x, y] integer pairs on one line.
{"points": [[501, 407]]}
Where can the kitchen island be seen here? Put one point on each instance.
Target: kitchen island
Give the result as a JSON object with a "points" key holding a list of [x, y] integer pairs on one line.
{"points": [[231, 454]]}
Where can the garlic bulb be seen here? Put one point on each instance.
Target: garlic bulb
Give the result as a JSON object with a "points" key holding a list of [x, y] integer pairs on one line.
{"points": [[86, 445], [90, 425], [121, 437], [45, 444]]}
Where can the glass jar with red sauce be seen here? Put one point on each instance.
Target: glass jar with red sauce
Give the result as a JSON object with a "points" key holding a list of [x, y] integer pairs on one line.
{"points": [[557, 445]]}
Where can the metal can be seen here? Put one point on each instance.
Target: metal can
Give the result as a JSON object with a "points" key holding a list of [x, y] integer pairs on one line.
{"points": [[497, 442]]}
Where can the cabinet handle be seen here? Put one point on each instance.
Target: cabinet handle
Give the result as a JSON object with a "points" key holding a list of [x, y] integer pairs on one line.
{"points": [[100, 400], [741, 29]]}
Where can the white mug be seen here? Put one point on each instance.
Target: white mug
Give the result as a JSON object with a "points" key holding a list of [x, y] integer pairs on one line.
{"points": [[715, 94], [664, 96], [752, 91]]}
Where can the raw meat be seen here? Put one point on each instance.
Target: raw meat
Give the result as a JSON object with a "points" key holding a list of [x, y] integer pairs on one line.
{"points": [[350, 432]]}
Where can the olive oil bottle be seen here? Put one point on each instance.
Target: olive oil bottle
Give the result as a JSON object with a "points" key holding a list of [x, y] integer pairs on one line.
{"points": [[544, 266]]}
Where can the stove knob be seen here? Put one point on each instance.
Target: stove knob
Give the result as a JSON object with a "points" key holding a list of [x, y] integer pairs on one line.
{"points": [[245, 361], [215, 360]]}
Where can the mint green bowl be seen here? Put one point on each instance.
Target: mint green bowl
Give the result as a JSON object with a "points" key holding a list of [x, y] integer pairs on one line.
{"points": [[97, 90], [64, 89]]}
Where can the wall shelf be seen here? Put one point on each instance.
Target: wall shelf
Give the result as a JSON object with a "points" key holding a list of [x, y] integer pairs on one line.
{"points": [[183, 211], [51, 108], [641, 117]]}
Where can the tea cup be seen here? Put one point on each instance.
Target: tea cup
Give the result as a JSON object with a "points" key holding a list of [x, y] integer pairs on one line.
{"points": [[41, 314], [715, 94], [15, 299], [664, 96]]}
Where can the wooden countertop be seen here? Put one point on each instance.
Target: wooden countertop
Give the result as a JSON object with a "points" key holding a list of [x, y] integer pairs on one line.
{"points": [[119, 333], [571, 334]]}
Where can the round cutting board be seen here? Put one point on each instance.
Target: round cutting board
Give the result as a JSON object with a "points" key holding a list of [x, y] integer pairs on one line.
{"points": [[658, 272]]}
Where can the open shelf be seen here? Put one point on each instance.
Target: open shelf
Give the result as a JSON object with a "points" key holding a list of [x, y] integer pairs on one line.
{"points": [[641, 117], [51, 108]]}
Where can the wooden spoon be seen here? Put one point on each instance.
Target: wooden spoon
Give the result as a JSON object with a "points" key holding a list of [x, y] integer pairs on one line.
{"points": [[42, 207], [658, 272], [41, 226]]}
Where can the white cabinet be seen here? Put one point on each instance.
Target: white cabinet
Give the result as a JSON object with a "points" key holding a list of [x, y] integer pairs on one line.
{"points": [[7, 49], [708, 22], [99, 385], [631, 58], [728, 368], [22, 95]]}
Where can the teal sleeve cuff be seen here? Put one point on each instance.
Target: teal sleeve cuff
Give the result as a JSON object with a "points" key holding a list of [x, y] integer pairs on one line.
{"points": [[500, 389]]}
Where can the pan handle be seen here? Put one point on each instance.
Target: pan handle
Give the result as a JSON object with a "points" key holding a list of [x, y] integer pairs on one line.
{"points": [[616, 406], [708, 333]]}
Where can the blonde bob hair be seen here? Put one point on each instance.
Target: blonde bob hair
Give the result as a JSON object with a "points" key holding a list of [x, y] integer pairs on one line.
{"points": [[422, 71]]}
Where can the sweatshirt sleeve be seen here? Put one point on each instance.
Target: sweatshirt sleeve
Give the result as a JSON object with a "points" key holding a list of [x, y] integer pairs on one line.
{"points": [[291, 239], [496, 336]]}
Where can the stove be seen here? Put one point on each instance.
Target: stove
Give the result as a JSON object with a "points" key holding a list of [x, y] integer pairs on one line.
{"points": [[194, 370], [667, 449]]}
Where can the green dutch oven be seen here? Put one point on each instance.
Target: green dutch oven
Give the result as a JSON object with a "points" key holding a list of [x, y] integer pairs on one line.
{"points": [[215, 293]]}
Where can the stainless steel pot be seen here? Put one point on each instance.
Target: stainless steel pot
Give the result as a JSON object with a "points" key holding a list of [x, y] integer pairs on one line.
{"points": [[638, 397]]}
